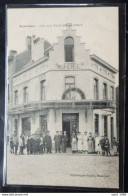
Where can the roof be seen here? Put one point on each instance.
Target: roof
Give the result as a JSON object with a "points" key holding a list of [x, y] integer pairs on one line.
{"points": [[103, 63], [22, 59]]}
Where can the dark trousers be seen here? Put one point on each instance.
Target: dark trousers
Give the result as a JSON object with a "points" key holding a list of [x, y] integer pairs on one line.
{"points": [[16, 148], [57, 147], [41, 149], [48, 149], [21, 149], [107, 152], [12, 150], [28, 150]]}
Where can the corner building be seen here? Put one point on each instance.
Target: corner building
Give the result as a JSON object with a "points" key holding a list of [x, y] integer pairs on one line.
{"points": [[60, 87]]}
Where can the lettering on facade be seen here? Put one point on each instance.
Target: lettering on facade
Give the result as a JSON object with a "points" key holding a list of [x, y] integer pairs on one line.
{"points": [[68, 117], [70, 66]]}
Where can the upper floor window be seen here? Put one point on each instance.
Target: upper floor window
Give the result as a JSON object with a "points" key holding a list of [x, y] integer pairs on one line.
{"points": [[111, 93], [42, 89], [104, 91], [16, 97], [25, 94], [69, 49], [95, 89], [69, 82]]}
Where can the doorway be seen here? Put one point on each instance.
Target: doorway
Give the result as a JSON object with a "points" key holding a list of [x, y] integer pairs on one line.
{"points": [[70, 124]]}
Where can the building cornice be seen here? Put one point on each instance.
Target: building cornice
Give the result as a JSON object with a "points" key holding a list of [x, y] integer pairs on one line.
{"points": [[103, 63]]}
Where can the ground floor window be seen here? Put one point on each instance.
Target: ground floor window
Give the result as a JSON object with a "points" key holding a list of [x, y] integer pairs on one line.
{"points": [[26, 126], [105, 126], [97, 124], [43, 123]]}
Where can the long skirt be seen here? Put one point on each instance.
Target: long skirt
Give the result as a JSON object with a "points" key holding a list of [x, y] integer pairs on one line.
{"points": [[74, 145], [90, 146], [85, 146], [80, 146]]}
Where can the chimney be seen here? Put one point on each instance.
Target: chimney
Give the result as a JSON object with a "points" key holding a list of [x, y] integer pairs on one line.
{"points": [[12, 53], [28, 42]]}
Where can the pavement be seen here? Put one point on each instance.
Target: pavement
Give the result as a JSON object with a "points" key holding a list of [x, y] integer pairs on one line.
{"points": [[63, 169]]}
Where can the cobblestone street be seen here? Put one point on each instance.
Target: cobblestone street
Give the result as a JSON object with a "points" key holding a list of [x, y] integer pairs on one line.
{"points": [[63, 170]]}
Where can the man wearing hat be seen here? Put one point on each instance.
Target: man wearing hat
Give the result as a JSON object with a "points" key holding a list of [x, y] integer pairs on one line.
{"points": [[57, 140], [85, 143], [48, 142]]}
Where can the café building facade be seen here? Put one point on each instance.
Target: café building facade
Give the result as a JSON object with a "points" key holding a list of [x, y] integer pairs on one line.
{"points": [[60, 87]]}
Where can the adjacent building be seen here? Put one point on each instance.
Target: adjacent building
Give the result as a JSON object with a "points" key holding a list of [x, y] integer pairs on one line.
{"points": [[60, 87]]}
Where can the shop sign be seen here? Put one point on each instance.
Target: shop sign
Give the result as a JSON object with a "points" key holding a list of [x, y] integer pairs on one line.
{"points": [[70, 66], [70, 117]]}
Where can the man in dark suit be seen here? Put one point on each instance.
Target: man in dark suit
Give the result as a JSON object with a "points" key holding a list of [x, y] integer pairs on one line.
{"points": [[64, 142], [48, 140], [57, 139]]}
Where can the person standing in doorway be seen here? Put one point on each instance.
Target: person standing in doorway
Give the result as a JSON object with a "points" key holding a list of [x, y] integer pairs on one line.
{"points": [[85, 142], [90, 143], [57, 142], [48, 143], [64, 142]]}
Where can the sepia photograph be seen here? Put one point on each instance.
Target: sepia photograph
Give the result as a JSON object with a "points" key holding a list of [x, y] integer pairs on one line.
{"points": [[62, 102]]}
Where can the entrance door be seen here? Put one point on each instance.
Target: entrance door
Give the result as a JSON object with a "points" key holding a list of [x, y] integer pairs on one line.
{"points": [[70, 125], [66, 127]]}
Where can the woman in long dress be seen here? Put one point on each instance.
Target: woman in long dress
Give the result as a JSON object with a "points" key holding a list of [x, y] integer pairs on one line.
{"points": [[85, 142], [90, 143], [74, 143], [80, 142]]}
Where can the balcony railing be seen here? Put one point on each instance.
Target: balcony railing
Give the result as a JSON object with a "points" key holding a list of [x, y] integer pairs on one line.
{"points": [[33, 106]]}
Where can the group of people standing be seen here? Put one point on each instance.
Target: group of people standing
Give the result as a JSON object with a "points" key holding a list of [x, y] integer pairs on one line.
{"points": [[89, 144], [79, 143]]}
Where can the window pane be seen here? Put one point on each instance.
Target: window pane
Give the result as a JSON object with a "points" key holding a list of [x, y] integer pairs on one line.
{"points": [[42, 90], [96, 123], [69, 49]]}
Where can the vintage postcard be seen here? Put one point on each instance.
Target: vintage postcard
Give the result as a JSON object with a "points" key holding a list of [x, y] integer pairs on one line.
{"points": [[62, 103]]}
